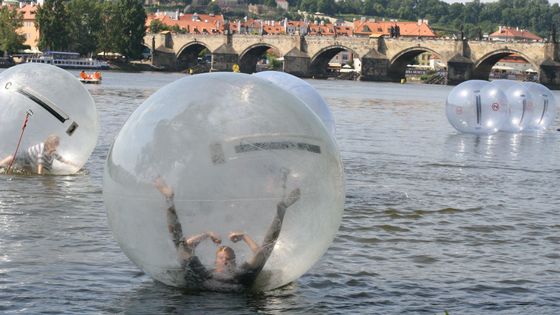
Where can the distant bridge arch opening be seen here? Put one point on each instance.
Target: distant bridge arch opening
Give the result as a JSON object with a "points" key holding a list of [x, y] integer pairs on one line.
{"points": [[417, 63], [259, 57], [333, 61], [194, 56], [146, 51], [505, 64]]}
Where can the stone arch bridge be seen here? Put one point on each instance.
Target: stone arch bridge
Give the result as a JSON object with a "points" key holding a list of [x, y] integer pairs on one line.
{"points": [[382, 59]]}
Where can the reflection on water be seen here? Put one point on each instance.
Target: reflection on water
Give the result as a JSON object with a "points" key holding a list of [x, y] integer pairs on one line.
{"points": [[434, 220]]}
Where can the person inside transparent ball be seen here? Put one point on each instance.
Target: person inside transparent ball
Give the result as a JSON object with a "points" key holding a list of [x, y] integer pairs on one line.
{"points": [[37, 159], [226, 275]]}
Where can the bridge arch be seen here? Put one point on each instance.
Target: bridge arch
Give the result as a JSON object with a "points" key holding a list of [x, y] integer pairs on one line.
{"points": [[320, 61], [147, 52], [397, 66], [250, 56], [483, 66], [187, 56]]}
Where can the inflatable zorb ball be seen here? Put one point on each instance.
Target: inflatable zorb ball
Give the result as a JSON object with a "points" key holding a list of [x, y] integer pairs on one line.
{"points": [[503, 84], [231, 146], [544, 106], [476, 107], [54, 103], [520, 106], [304, 91]]}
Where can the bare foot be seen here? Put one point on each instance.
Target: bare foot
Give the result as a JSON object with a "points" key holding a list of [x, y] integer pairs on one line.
{"points": [[163, 187]]}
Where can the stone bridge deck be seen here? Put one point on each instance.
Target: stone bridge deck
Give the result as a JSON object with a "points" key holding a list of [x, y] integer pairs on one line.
{"points": [[382, 59]]}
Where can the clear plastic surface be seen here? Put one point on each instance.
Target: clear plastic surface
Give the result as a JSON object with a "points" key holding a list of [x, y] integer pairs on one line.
{"points": [[304, 91], [476, 107], [231, 146], [56, 103], [544, 106], [520, 105]]}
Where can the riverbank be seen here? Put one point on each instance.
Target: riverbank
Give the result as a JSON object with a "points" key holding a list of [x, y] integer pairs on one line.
{"points": [[134, 66]]}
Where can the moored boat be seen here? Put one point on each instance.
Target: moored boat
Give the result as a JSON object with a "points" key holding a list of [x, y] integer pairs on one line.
{"points": [[68, 60]]}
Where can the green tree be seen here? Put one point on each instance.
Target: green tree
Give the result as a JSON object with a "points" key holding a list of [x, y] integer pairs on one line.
{"points": [[308, 5], [177, 29], [350, 6], [326, 6], [107, 36], [213, 7], [157, 26], [471, 12], [10, 21], [51, 20], [83, 24], [130, 22], [270, 3]]}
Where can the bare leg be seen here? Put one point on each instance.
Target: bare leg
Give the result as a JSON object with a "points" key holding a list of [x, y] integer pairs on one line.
{"points": [[256, 264], [173, 224], [195, 271]]}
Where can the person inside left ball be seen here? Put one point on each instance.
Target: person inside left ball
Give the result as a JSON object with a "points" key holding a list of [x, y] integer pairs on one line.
{"points": [[37, 158]]}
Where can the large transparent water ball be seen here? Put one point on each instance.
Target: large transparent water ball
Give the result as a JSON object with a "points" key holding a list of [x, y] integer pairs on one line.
{"points": [[504, 84], [56, 104], [520, 105], [304, 91], [476, 107], [231, 146], [544, 106]]}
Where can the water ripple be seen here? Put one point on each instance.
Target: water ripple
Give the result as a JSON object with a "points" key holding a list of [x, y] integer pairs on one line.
{"points": [[435, 221]]}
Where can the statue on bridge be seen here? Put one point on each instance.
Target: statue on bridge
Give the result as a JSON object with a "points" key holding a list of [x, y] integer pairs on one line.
{"points": [[395, 31], [552, 34]]}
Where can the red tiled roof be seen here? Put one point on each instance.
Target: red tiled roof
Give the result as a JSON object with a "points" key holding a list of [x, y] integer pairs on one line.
{"points": [[215, 24], [274, 30], [515, 33], [384, 28], [29, 10], [200, 23]]}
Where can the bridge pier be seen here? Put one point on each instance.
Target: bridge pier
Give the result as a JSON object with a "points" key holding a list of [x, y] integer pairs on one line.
{"points": [[375, 67], [163, 56], [459, 69], [550, 74], [224, 58], [297, 63], [166, 60]]}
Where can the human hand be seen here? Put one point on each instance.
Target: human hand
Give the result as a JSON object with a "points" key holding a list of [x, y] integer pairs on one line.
{"points": [[214, 237], [236, 236]]}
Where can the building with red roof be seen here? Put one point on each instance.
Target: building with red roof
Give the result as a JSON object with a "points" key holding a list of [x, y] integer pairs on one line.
{"points": [[191, 23], [28, 11], [383, 28], [505, 34], [214, 24], [28, 29]]}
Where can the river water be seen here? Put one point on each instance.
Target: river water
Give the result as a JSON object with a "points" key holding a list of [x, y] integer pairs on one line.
{"points": [[434, 220]]}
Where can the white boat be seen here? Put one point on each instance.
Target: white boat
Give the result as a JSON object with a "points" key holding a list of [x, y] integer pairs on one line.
{"points": [[70, 60]]}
